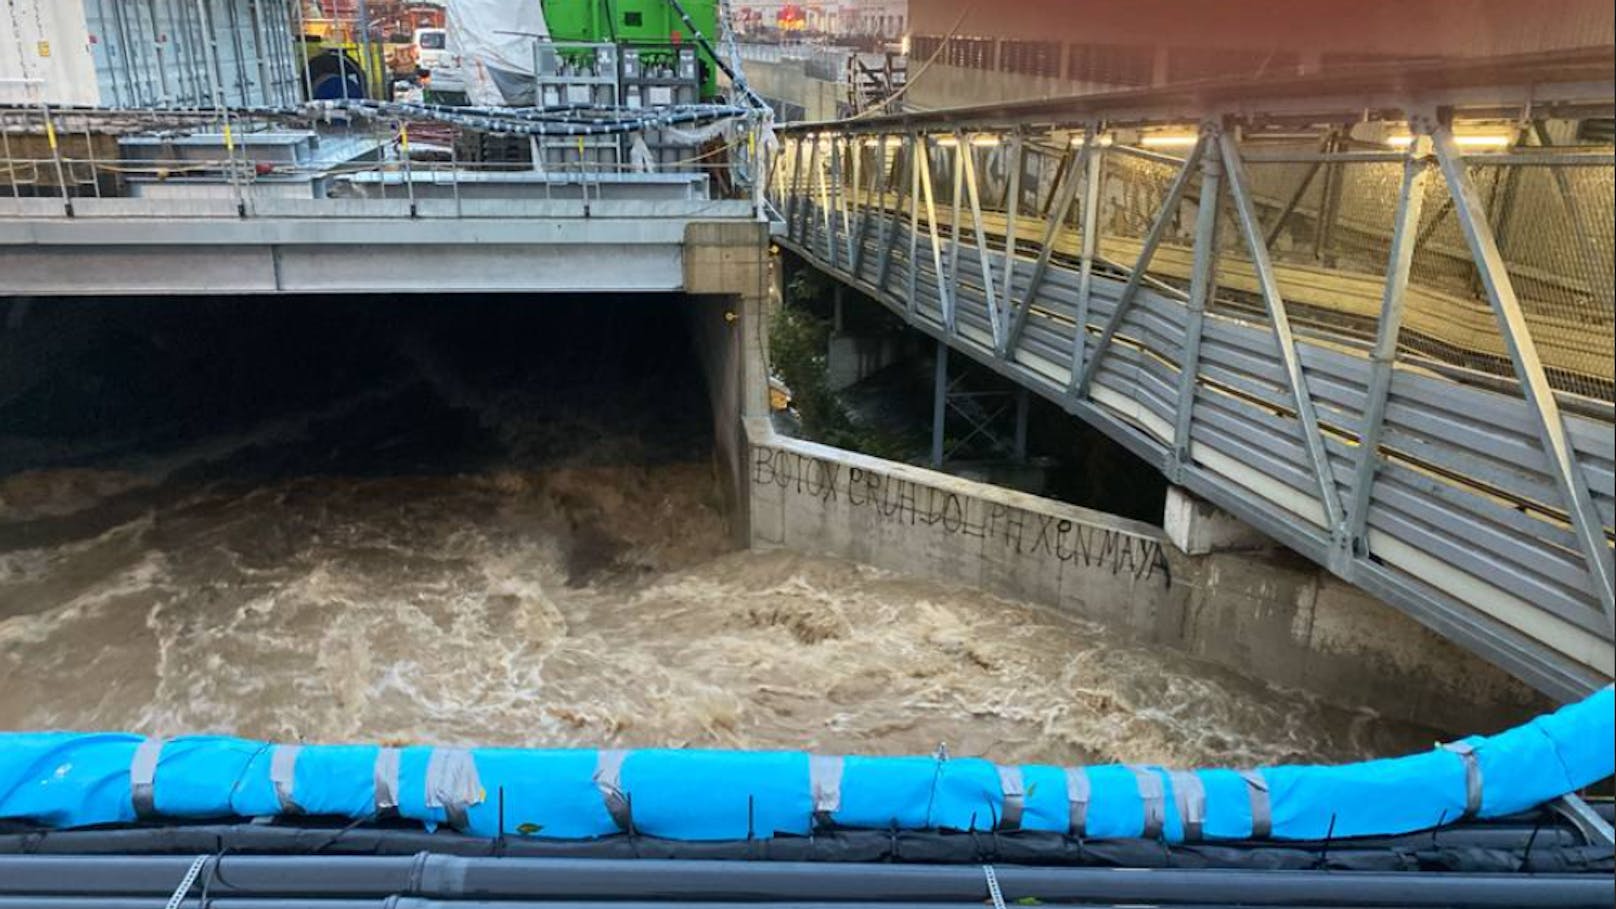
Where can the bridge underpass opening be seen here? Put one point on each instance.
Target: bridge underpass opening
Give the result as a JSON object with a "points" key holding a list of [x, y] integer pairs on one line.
{"points": [[497, 519], [841, 346]]}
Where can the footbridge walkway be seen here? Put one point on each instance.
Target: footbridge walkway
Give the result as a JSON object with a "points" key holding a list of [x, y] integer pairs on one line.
{"points": [[1370, 316]]}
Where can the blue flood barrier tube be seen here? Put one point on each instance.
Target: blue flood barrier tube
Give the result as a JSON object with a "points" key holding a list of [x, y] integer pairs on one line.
{"points": [[69, 779]]}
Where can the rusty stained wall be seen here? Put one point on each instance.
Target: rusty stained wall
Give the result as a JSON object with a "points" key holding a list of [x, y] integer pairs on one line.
{"points": [[1411, 27], [1186, 39]]}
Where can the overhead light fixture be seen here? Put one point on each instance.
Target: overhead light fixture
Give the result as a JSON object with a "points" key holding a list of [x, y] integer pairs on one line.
{"points": [[1471, 140], [976, 141], [1169, 140]]}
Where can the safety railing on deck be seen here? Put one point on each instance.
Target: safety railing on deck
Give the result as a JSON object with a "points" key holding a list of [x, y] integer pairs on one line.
{"points": [[1370, 315], [200, 163]]}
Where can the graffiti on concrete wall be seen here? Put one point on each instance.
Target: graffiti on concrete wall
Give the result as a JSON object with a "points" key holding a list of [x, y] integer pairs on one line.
{"points": [[904, 501]]}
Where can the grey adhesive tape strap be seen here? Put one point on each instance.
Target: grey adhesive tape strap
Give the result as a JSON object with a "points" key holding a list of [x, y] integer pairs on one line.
{"points": [[1262, 817], [609, 780], [1190, 797], [385, 777], [143, 777], [452, 784], [1077, 796], [1473, 781], [825, 782], [1015, 797], [1151, 794], [283, 775]]}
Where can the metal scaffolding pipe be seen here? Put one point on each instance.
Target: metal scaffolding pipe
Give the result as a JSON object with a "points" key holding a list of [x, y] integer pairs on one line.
{"points": [[420, 903]]}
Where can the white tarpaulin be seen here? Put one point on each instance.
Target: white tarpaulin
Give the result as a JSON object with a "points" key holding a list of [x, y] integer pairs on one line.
{"points": [[494, 41]]}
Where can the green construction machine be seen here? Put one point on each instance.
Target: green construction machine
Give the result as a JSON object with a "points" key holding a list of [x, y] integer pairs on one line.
{"points": [[653, 27]]}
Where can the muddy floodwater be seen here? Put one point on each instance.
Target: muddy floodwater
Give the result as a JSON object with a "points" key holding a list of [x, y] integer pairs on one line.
{"points": [[497, 529]]}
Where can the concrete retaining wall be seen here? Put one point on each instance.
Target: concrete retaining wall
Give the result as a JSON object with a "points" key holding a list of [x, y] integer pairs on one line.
{"points": [[814, 498], [1271, 615], [731, 279], [789, 81]]}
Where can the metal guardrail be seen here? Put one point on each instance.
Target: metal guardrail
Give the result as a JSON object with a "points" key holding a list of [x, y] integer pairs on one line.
{"points": [[1377, 328], [70, 164], [825, 62]]}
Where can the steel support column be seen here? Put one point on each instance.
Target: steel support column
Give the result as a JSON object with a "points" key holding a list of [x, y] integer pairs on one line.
{"points": [[961, 149], [939, 403], [901, 166], [945, 292], [866, 206], [984, 261], [1046, 249], [1562, 458], [1175, 194], [1094, 174], [1312, 437], [794, 191], [1405, 227], [1012, 215], [816, 173], [1202, 281], [917, 163], [838, 185]]}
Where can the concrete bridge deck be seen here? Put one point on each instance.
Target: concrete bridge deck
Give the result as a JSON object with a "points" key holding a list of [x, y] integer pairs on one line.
{"points": [[1370, 317], [186, 246]]}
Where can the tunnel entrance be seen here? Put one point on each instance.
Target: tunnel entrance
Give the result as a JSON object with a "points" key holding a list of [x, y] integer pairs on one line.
{"points": [[498, 520], [132, 405], [370, 384]]}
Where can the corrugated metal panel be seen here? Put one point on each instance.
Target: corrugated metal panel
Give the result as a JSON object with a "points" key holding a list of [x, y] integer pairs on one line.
{"points": [[45, 54], [151, 53]]}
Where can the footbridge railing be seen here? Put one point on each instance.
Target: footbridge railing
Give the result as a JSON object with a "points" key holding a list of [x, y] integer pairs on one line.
{"points": [[1369, 314]]}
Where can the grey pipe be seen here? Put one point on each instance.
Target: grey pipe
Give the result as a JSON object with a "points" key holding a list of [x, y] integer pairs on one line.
{"points": [[584, 879], [193, 839], [419, 903]]}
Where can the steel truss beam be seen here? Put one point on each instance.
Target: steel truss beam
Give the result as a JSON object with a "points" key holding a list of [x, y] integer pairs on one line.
{"points": [[902, 165], [918, 162], [962, 148], [1202, 284], [1251, 229], [1046, 249], [792, 190], [1488, 614], [1405, 227], [867, 205], [984, 260], [1164, 219], [1534, 380], [1013, 214], [1093, 185], [945, 287]]}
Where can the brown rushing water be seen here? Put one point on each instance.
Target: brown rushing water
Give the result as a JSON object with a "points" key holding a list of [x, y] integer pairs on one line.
{"points": [[529, 598]]}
